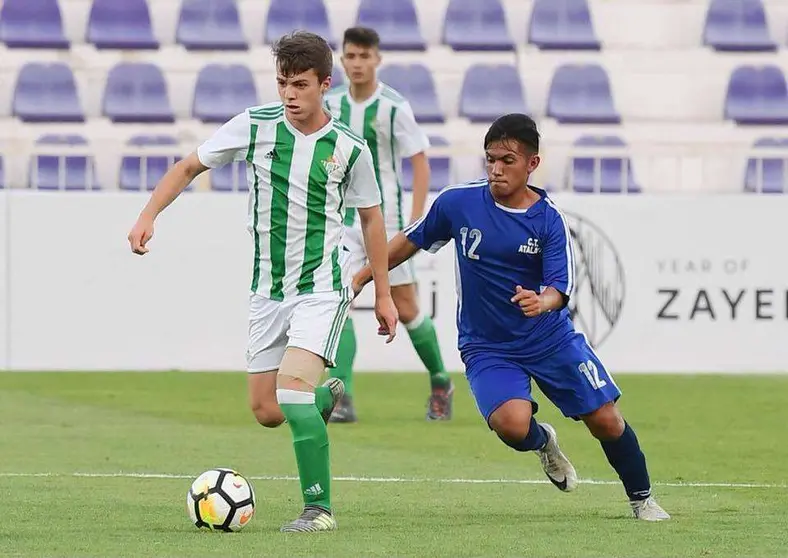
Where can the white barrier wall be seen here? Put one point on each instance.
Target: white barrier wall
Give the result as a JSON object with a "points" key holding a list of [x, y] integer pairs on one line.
{"points": [[5, 316], [665, 283]]}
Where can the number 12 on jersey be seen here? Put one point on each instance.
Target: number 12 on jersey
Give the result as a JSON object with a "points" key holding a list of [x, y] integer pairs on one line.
{"points": [[476, 237]]}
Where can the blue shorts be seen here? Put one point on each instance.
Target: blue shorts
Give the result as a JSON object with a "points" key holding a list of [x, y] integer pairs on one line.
{"points": [[573, 378]]}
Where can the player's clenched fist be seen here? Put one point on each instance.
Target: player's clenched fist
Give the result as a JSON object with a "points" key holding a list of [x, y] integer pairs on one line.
{"points": [[530, 302], [140, 234]]}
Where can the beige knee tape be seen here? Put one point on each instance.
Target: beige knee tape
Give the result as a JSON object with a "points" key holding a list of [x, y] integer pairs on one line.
{"points": [[302, 365]]}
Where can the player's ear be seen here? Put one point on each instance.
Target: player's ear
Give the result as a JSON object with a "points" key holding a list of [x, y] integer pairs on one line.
{"points": [[533, 162]]}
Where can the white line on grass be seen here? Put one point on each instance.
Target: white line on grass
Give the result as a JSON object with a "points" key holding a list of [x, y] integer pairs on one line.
{"points": [[401, 480]]}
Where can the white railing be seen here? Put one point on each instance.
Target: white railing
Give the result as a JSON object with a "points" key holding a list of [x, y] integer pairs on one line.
{"points": [[653, 167]]}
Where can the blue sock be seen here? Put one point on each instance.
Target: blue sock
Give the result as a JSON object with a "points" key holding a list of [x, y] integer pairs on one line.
{"points": [[536, 439], [629, 462]]}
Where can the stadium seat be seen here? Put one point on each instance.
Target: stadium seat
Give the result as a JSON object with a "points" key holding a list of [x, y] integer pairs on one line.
{"points": [[395, 21], [603, 174], [121, 24], [221, 92], [222, 179], [737, 25], [757, 95], [143, 172], [137, 92], [475, 25], [767, 174], [337, 76], [46, 93], [414, 82], [2, 174], [440, 169], [32, 24], [580, 94], [562, 25], [490, 91], [210, 25], [285, 16], [57, 170]]}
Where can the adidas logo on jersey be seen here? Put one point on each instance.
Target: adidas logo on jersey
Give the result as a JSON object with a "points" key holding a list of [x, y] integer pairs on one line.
{"points": [[273, 155], [531, 248], [314, 490]]}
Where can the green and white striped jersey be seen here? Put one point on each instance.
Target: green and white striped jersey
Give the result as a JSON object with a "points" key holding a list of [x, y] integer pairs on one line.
{"points": [[299, 187], [386, 121]]}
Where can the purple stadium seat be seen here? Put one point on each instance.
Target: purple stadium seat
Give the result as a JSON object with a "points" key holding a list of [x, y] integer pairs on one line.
{"points": [[757, 95], [440, 169], [57, 170], [414, 82], [476, 25], [562, 25], [490, 91], [767, 175], [222, 92], [604, 174], [121, 24], [210, 25], [285, 16], [230, 178], [32, 24], [395, 21], [47, 93], [137, 92], [144, 172], [337, 76], [580, 94], [737, 25]]}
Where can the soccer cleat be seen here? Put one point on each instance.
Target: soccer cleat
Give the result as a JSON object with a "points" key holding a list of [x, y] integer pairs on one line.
{"points": [[337, 389], [344, 411], [311, 520], [648, 510], [440, 402], [555, 464]]}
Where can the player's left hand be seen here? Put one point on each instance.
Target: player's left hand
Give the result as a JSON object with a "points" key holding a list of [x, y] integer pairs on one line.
{"points": [[530, 303], [387, 315]]}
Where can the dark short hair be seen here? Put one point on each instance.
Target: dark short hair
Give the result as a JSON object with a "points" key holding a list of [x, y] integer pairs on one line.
{"points": [[301, 51], [515, 126], [362, 36]]}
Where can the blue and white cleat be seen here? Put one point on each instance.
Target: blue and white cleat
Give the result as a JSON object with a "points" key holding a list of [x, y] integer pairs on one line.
{"points": [[555, 464], [648, 510]]}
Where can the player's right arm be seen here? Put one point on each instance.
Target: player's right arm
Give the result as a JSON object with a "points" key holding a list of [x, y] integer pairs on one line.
{"points": [[430, 233], [230, 142]]}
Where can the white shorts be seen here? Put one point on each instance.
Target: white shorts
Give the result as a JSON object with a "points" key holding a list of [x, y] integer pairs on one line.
{"points": [[403, 274], [311, 322]]}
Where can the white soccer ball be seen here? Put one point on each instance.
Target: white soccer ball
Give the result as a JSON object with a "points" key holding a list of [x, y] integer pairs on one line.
{"points": [[221, 500]]}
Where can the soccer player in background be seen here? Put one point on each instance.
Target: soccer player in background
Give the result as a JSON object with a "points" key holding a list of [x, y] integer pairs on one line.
{"points": [[303, 168], [385, 120], [515, 266]]}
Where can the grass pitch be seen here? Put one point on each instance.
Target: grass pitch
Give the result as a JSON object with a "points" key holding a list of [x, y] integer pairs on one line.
{"points": [[75, 449]]}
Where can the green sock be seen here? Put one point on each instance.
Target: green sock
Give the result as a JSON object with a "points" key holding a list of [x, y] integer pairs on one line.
{"points": [[425, 341], [323, 399], [346, 354], [310, 441]]}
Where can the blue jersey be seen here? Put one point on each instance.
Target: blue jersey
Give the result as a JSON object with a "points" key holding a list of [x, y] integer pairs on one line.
{"points": [[498, 248]]}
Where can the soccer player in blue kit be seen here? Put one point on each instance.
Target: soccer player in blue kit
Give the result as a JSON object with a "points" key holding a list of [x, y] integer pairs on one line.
{"points": [[515, 276]]}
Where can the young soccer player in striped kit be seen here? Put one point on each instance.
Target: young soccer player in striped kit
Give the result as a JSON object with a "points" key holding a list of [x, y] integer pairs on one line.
{"points": [[303, 168], [385, 120]]}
